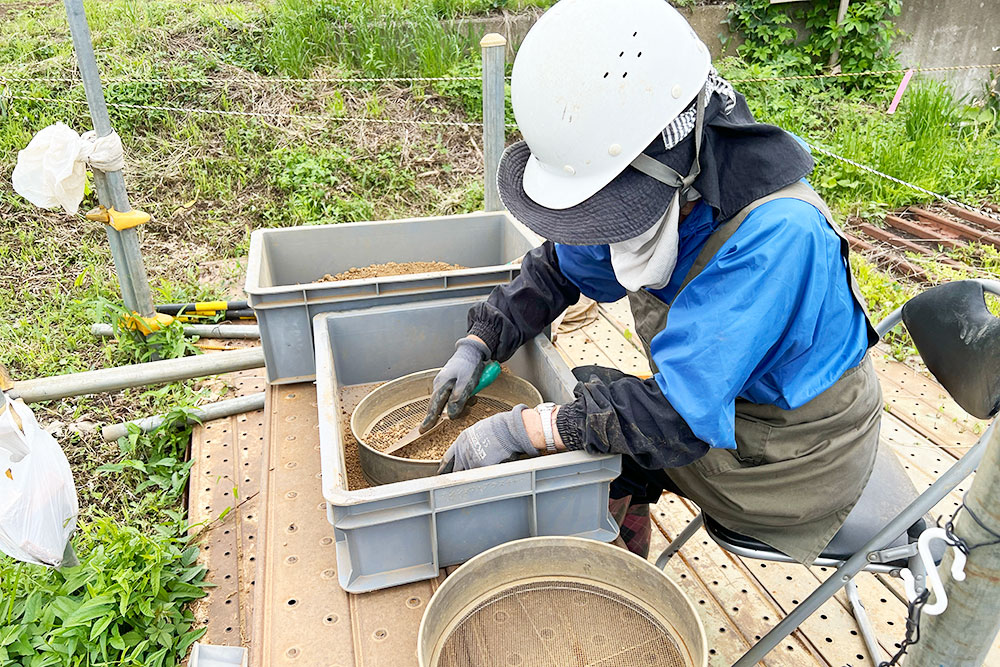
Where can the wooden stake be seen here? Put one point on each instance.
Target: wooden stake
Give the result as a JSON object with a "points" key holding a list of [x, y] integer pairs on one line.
{"points": [[962, 635]]}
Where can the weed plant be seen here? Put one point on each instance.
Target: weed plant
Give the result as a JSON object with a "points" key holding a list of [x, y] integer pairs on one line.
{"points": [[124, 605], [133, 346], [771, 35], [376, 37]]}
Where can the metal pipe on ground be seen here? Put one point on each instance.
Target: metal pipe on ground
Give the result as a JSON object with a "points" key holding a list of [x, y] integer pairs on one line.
{"points": [[860, 245], [906, 244], [958, 228], [227, 408], [939, 236], [138, 375], [978, 218], [248, 331]]}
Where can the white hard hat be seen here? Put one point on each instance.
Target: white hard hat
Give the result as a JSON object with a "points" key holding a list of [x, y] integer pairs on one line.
{"points": [[593, 84]]}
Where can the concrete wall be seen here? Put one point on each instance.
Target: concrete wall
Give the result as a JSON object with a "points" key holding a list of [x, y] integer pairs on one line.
{"points": [[938, 33], [941, 33]]}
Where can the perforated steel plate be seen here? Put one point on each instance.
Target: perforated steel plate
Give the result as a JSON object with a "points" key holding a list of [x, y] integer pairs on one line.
{"points": [[560, 622]]}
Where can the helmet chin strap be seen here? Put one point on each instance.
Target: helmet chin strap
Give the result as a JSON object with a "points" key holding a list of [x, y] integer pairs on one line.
{"points": [[661, 172]]}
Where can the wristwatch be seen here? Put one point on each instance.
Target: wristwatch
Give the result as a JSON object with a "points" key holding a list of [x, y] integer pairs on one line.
{"points": [[545, 412]]}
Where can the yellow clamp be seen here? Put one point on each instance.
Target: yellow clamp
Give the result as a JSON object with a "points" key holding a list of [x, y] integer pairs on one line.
{"points": [[118, 219], [147, 325]]}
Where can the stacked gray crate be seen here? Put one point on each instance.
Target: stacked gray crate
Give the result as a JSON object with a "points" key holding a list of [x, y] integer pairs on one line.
{"points": [[398, 533], [284, 265]]}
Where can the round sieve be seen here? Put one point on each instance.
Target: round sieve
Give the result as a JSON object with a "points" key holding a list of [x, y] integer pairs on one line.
{"points": [[560, 601], [393, 409]]}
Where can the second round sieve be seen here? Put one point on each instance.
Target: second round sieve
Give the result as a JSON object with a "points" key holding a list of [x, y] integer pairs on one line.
{"points": [[399, 405]]}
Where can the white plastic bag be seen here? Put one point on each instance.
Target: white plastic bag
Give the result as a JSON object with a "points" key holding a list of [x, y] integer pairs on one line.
{"points": [[38, 504], [51, 170]]}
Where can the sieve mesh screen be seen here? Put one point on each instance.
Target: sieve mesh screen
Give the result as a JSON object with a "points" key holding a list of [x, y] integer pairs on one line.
{"points": [[558, 622], [394, 424]]}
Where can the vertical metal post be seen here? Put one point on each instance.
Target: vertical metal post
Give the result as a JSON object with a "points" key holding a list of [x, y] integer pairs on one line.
{"points": [[494, 48], [962, 635], [111, 185]]}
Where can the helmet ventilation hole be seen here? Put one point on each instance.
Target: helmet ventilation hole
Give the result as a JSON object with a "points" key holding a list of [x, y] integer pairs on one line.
{"points": [[639, 55], [624, 75], [635, 33], [606, 75], [621, 54]]}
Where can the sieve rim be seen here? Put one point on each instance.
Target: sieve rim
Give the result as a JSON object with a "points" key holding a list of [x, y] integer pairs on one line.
{"points": [[586, 560]]}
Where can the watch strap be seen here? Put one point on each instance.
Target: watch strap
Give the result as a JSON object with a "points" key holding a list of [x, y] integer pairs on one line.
{"points": [[545, 414]]}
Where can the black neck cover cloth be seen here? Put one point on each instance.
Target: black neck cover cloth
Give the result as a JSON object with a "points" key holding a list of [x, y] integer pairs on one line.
{"points": [[741, 161]]}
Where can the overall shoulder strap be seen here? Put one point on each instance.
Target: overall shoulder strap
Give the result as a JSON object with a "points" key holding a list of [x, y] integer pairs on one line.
{"points": [[797, 190], [723, 233]]}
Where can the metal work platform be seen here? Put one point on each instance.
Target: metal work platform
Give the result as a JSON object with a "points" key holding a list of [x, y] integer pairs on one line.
{"points": [[272, 555]]}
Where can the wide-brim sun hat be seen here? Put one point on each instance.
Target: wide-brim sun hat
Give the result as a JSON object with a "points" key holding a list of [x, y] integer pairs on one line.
{"points": [[593, 85]]}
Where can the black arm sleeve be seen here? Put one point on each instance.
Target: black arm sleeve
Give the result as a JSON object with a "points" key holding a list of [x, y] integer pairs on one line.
{"points": [[615, 413], [519, 310]]}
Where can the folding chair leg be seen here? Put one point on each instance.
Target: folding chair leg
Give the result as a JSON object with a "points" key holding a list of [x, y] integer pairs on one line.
{"points": [[861, 616], [678, 542], [897, 526]]}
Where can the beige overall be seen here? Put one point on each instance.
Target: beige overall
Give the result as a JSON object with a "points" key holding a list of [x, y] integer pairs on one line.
{"points": [[795, 474]]}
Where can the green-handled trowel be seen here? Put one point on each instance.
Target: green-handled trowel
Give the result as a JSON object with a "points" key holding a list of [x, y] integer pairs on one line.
{"points": [[490, 373]]}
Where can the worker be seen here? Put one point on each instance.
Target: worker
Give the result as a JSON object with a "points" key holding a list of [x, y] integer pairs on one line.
{"points": [[649, 178]]}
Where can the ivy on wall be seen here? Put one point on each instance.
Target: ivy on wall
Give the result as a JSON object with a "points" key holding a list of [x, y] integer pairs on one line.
{"points": [[772, 38]]}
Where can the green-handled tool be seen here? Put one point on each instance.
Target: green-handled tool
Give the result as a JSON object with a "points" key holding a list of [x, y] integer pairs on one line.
{"points": [[490, 373]]}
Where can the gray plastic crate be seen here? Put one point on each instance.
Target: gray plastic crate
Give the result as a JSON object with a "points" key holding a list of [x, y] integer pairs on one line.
{"points": [[398, 533], [284, 263]]}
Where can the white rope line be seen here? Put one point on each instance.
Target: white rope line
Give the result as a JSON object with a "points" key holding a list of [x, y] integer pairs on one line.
{"points": [[255, 114], [899, 181], [402, 79], [206, 80], [872, 72], [444, 123]]}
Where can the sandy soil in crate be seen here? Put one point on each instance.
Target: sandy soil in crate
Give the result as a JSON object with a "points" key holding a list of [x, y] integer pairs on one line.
{"points": [[389, 269]]}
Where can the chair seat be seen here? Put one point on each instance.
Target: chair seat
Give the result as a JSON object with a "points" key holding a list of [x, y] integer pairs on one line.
{"points": [[888, 492]]}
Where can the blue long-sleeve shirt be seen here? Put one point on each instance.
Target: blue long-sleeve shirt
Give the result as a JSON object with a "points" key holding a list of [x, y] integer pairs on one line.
{"points": [[770, 319]]}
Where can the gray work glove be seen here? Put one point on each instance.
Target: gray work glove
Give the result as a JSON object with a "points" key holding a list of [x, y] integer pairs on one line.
{"points": [[455, 382], [493, 440]]}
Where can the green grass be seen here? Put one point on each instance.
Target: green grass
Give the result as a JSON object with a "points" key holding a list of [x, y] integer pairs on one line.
{"points": [[208, 181], [382, 41], [932, 141]]}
